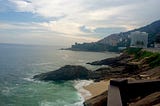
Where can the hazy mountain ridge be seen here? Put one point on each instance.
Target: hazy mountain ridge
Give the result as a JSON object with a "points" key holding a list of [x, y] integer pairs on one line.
{"points": [[114, 41], [152, 29]]}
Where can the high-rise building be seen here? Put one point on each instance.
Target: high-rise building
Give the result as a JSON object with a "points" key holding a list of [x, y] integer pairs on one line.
{"points": [[139, 39]]}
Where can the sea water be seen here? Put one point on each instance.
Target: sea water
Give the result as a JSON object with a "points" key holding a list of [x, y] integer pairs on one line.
{"points": [[19, 63]]}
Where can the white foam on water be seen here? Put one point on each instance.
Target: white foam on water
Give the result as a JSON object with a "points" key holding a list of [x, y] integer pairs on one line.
{"points": [[7, 90], [40, 64], [76, 104], [79, 85], [46, 103], [32, 80], [59, 103]]}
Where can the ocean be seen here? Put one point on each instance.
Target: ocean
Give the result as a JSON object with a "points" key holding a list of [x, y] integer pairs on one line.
{"points": [[19, 63]]}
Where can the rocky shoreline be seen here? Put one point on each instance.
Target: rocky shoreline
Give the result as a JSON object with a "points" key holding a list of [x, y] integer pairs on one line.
{"points": [[129, 67], [123, 66], [118, 67]]}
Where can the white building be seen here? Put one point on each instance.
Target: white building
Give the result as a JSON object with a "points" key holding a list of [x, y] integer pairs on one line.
{"points": [[156, 45], [157, 41], [139, 39]]}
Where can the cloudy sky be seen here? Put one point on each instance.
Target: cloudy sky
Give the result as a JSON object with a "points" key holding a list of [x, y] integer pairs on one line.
{"points": [[63, 22]]}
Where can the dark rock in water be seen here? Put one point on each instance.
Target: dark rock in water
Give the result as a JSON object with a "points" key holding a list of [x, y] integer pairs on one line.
{"points": [[68, 72], [108, 61], [116, 61]]}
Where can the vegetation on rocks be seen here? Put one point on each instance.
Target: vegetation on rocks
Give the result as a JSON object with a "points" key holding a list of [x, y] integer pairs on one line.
{"points": [[150, 58]]}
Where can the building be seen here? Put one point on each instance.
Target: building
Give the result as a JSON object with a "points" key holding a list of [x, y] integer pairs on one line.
{"points": [[139, 39], [156, 45], [157, 41]]}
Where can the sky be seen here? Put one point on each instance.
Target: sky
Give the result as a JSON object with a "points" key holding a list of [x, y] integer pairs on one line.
{"points": [[63, 22]]}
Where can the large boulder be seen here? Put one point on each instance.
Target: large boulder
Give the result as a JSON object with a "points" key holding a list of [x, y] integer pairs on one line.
{"points": [[68, 72]]}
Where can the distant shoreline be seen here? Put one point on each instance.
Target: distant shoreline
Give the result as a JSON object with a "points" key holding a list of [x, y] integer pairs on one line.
{"points": [[88, 51]]}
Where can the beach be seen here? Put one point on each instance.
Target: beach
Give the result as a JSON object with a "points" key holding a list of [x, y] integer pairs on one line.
{"points": [[96, 88]]}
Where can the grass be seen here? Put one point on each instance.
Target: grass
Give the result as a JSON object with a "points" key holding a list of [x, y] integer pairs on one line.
{"points": [[153, 59], [133, 51], [142, 54]]}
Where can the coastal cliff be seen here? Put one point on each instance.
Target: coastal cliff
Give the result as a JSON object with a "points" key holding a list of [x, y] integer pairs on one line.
{"points": [[143, 65]]}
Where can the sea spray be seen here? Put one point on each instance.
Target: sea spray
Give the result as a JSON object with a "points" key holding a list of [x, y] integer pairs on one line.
{"points": [[80, 84]]}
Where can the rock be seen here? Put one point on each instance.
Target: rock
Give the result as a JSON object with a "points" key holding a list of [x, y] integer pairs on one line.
{"points": [[108, 61], [150, 100], [117, 71], [131, 68], [100, 100], [116, 61], [153, 73], [68, 72]]}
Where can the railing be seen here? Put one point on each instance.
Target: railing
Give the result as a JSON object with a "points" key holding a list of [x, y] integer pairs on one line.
{"points": [[121, 91]]}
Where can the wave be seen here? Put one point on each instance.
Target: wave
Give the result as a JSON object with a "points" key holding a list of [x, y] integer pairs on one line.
{"points": [[7, 90], [46, 103], [32, 80], [40, 64], [59, 103], [79, 85]]}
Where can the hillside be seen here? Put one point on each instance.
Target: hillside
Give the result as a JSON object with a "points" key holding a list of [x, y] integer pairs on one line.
{"points": [[152, 29], [114, 41]]}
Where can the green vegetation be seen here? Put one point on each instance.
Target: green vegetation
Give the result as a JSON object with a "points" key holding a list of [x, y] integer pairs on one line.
{"points": [[143, 54], [133, 51], [96, 47], [153, 59]]}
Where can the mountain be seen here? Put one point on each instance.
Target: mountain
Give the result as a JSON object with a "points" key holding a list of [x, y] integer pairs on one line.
{"points": [[122, 39], [152, 29]]}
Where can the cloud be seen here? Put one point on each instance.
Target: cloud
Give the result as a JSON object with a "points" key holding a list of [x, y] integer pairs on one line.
{"points": [[85, 29], [82, 19], [109, 30], [21, 26], [48, 8], [23, 6], [38, 33], [90, 13]]}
